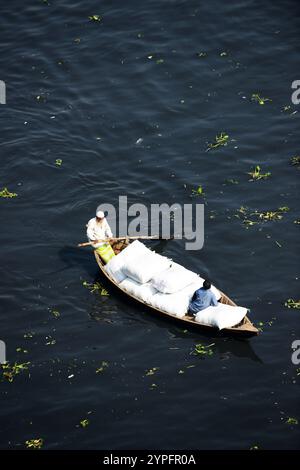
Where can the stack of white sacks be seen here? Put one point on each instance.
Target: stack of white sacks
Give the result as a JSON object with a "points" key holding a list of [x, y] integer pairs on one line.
{"points": [[166, 285]]}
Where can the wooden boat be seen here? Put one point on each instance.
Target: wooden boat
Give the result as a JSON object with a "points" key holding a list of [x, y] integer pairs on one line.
{"points": [[245, 328]]}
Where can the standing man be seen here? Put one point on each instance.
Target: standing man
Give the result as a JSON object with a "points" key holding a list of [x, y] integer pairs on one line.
{"points": [[98, 229]]}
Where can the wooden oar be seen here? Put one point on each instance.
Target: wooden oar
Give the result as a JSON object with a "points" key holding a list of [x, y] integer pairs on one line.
{"points": [[153, 237]]}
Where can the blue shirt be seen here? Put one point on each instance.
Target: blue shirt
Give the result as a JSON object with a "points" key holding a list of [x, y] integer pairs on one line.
{"points": [[202, 299]]}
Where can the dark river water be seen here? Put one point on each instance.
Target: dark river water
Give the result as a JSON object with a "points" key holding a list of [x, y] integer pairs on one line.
{"points": [[127, 105]]}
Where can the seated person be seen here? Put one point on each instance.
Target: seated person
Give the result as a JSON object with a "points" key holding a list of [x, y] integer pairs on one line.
{"points": [[202, 298]]}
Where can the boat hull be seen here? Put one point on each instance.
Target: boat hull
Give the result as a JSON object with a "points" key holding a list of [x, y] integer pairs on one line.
{"points": [[246, 329]]}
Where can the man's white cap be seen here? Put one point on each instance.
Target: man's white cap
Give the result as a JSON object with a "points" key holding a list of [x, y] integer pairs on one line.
{"points": [[100, 214]]}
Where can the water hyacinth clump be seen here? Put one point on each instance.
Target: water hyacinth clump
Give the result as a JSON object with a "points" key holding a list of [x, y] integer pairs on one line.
{"points": [[198, 192], [264, 216], [5, 193], [291, 303], [256, 174], [202, 350], [11, 370], [96, 287], [34, 443], [292, 421], [221, 140], [84, 423]]}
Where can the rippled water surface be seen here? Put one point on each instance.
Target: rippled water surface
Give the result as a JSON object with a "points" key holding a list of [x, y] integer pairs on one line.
{"points": [[174, 74]]}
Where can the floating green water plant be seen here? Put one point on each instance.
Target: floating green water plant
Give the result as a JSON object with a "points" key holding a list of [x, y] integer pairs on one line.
{"points": [[29, 335], [96, 287], [257, 175], [231, 181], [286, 108], [270, 215], [24, 351], [7, 194], [11, 370], [292, 421], [202, 350], [259, 99], [291, 303], [220, 141], [198, 192], [34, 443], [50, 341], [153, 386], [104, 365], [95, 18], [247, 216], [152, 371], [295, 161], [262, 324], [249, 222], [54, 312], [84, 423]]}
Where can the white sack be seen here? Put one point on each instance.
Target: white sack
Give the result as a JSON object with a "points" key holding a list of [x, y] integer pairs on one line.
{"points": [[143, 291], [177, 303], [174, 279], [115, 265], [222, 316], [143, 267]]}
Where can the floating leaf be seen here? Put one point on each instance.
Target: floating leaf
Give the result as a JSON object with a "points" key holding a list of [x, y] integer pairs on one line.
{"points": [[231, 181], [292, 421], [286, 108], [259, 99], [5, 193], [34, 443], [84, 423], [104, 365], [11, 370], [202, 350], [291, 303], [152, 371], [257, 175], [198, 192], [95, 18], [96, 287], [54, 312], [295, 161], [220, 141], [24, 351]]}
